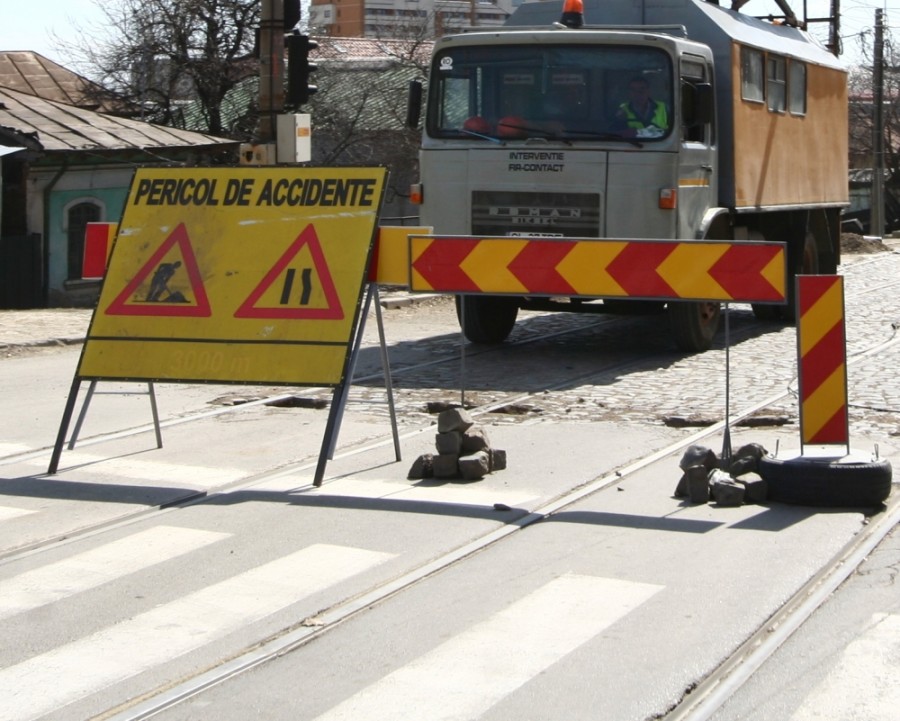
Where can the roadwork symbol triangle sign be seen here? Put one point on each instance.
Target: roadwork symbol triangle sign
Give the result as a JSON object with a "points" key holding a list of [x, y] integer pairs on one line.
{"points": [[169, 283], [290, 289]]}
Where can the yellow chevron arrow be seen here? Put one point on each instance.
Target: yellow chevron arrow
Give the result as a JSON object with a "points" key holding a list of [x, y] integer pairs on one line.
{"points": [[487, 265], [584, 268], [686, 270], [774, 273]]}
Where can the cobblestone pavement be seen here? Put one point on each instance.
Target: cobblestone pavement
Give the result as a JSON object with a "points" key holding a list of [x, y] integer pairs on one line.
{"points": [[664, 387]]}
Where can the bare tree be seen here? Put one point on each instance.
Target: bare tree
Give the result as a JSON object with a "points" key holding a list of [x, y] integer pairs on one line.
{"points": [[169, 56], [861, 108], [359, 113]]}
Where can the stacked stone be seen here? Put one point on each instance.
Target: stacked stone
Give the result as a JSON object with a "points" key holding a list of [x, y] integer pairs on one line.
{"points": [[463, 450], [707, 477]]}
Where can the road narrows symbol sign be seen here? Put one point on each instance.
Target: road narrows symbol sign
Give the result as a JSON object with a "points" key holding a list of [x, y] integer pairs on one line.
{"points": [[160, 299], [285, 309]]}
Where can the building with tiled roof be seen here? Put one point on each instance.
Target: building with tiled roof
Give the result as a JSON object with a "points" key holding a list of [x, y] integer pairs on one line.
{"points": [[64, 165]]}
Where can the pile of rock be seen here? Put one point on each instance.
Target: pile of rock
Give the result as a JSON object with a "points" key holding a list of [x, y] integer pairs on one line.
{"points": [[707, 477], [463, 451]]}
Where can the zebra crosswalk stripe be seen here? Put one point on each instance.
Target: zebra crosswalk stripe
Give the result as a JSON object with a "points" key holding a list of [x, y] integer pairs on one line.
{"points": [[460, 680], [100, 565], [8, 512], [864, 683], [54, 679]]}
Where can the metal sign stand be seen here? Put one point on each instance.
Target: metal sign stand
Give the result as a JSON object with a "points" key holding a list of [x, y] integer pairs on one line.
{"points": [[341, 392], [70, 408]]}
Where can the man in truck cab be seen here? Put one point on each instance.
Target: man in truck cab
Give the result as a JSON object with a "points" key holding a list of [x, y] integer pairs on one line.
{"points": [[641, 116]]}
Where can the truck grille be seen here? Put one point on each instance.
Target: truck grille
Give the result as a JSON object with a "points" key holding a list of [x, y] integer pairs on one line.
{"points": [[571, 215]]}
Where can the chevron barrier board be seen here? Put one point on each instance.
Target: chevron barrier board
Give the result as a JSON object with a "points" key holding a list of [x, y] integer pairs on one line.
{"points": [[737, 271], [821, 350]]}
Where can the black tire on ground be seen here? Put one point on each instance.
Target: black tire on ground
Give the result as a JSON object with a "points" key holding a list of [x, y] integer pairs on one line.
{"points": [[818, 482], [694, 324], [487, 319]]}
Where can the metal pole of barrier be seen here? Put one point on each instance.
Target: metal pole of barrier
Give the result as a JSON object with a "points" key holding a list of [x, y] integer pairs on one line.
{"points": [[726, 441], [462, 351]]}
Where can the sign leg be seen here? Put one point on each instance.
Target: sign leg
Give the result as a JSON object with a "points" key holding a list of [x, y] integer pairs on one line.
{"points": [[152, 393], [64, 426], [386, 367], [334, 416], [81, 415], [351, 368]]}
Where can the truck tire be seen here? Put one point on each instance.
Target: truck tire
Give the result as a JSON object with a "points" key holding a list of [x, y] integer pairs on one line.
{"points": [[694, 324], [487, 319], [823, 482]]}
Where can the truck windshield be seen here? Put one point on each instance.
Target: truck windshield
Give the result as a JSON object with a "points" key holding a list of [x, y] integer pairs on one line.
{"points": [[563, 92]]}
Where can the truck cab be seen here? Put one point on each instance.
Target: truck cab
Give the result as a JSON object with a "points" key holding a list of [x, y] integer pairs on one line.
{"points": [[627, 132]]}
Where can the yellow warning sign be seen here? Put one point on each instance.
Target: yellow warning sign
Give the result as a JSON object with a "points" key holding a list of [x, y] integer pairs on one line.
{"points": [[244, 275]]}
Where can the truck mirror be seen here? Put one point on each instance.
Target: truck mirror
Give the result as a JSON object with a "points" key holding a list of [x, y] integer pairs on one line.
{"points": [[414, 104], [696, 104]]}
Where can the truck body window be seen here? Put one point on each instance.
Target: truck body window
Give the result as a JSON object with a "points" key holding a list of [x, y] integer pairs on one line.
{"points": [[775, 83], [752, 75], [797, 88]]}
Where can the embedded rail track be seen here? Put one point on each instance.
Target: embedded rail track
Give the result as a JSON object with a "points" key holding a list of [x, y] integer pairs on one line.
{"points": [[445, 359]]}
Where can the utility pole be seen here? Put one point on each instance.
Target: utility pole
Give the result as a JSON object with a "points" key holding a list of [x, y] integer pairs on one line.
{"points": [[271, 68], [876, 212]]}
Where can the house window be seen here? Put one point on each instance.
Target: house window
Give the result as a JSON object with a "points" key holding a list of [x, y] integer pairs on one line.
{"points": [[797, 88], [775, 83], [77, 218], [752, 74]]}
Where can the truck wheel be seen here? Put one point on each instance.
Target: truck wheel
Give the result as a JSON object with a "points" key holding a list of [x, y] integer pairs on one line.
{"points": [[694, 324], [824, 482], [487, 318]]}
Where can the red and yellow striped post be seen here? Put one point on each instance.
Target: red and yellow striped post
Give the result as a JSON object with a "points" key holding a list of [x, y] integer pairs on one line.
{"points": [[822, 353]]}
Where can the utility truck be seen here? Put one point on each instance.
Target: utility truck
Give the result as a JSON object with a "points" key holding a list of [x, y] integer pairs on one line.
{"points": [[527, 132]]}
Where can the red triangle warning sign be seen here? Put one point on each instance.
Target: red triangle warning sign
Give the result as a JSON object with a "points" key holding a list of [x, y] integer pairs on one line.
{"points": [[299, 286], [169, 283]]}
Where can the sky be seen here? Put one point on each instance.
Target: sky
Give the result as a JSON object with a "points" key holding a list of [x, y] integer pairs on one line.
{"points": [[30, 25]]}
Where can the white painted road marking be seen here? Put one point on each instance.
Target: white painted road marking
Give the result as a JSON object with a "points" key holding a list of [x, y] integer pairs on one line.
{"points": [[864, 684], [164, 474], [13, 449], [457, 494], [51, 680], [7, 512], [100, 565], [467, 675]]}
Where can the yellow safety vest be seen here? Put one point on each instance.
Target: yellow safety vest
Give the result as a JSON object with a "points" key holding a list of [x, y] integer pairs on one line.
{"points": [[659, 119]]}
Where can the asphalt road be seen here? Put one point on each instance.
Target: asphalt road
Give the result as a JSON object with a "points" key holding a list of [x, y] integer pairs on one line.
{"points": [[379, 597]]}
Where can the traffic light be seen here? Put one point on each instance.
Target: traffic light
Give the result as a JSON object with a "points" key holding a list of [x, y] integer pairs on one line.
{"points": [[299, 69]]}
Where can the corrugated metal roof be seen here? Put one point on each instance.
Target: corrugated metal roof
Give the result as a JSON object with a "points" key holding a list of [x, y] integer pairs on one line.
{"points": [[61, 127], [32, 73]]}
